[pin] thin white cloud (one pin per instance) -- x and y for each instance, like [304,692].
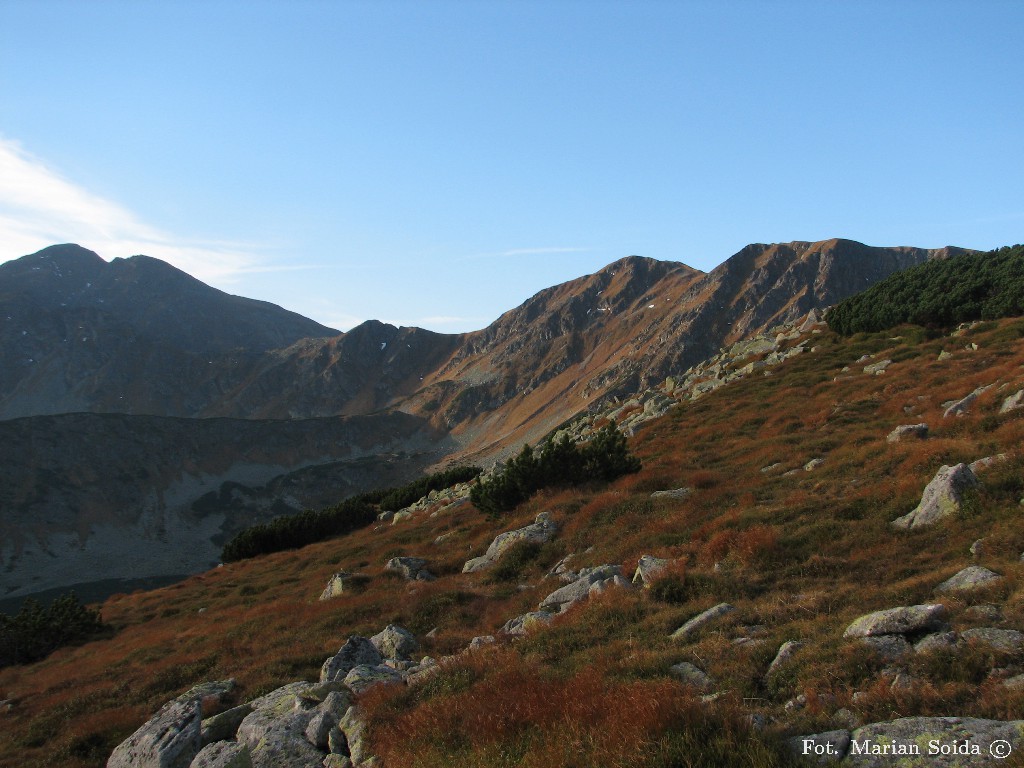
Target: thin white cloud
[39,207]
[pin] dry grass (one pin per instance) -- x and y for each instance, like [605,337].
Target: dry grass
[799,556]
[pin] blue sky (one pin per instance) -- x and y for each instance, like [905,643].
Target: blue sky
[437,163]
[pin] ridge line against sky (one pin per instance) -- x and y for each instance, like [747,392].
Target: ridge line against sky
[436,164]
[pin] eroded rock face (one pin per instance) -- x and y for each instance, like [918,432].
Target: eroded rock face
[905,620]
[942,497]
[173,737]
[223,754]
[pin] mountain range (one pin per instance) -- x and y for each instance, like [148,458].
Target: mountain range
[146,417]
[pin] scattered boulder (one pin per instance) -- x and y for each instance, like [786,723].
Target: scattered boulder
[905,620]
[907,431]
[988,461]
[522,625]
[698,622]
[1009,640]
[878,368]
[648,567]
[1013,402]
[786,652]
[412,568]
[970,578]
[984,612]
[394,642]
[937,641]
[964,404]
[813,464]
[889,647]
[173,736]
[336,585]
[483,640]
[561,599]
[356,650]
[692,676]
[540,531]
[942,497]
[674,494]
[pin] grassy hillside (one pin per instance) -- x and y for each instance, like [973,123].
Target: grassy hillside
[799,555]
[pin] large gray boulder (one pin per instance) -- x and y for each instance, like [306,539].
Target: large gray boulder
[970,578]
[173,736]
[561,599]
[223,754]
[412,568]
[278,740]
[942,497]
[541,530]
[701,620]
[364,676]
[356,650]
[1013,402]
[905,620]
[394,642]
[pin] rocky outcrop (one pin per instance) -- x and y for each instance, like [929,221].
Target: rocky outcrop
[173,736]
[355,651]
[564,598]
[942,497]
[394,642]
[541,530]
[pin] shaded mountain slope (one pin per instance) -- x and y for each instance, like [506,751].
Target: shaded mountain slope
[793,490]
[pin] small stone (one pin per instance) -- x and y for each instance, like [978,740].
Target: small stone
[692,675]
[813,464]
[898,621]
[1009,640]
[648,567]
[675,493]
[984,612]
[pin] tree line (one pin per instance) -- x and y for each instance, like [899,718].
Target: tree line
[557,463]
[309,526]
[940,293]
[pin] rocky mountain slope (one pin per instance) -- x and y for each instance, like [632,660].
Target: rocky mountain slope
[136,339]
[753,590]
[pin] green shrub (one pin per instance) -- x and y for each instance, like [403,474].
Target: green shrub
[294,531]
[557,463]
[941,293]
